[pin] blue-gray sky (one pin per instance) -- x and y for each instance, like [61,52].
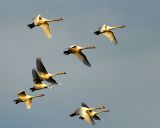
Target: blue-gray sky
[124,77]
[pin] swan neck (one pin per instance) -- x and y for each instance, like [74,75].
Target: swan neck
[89,47]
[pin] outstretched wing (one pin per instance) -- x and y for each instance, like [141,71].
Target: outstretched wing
[29,103]
[75,113]
[89,119]
[22,94]
[84,105]
[35,76]
[47,29]
[40,66]
[96,117]
[83,58]
[110,35]
[51,80]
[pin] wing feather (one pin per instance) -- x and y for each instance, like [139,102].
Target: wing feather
[83,58]
[40,66]
[110,35]
[51,80]
[29,103]
[47,29]
[35,76]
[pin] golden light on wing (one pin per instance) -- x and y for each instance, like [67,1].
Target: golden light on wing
[29,103]
[22,94]
[47,29]
[89,119]
[110,35]
[83,58]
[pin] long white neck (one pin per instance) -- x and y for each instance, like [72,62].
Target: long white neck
[37,96]
[101,111]
[58,19]
[97,108]
[114,27]
[59,73]
[89,47]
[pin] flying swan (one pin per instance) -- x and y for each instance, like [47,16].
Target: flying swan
[107,31]
[44,75]
[23,97]
[44,24]
[88,114]
[77,50]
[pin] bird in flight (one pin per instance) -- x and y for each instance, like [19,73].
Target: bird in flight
[107,31]
[38,82]
[44,24]
[88,114]
[44,74]
[23,97]
[77,50]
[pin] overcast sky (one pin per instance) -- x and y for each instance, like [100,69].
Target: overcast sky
[125,77]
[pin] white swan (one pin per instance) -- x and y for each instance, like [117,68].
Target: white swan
[44,24]
[44,75]
[23,97]
[38,82]
[77,50]
[107,31]
[87,113]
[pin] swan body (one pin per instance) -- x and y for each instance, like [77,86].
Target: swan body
[77,50]
[38,82]
[88,114]
[107,31]
[44,24]
[23,97]
[44,75]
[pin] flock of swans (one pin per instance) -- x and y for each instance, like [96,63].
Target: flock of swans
[40,74]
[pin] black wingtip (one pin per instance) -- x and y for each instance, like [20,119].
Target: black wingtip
[32,25]
[97,33]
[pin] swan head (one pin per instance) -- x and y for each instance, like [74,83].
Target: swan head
[73,46]
[103,27]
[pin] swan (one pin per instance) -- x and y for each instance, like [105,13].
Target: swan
[77,50]
[44,75]
[23,97]
[88,113]
[38,82]
[44,24]
[107,31]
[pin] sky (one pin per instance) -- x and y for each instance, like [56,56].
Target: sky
[123,77]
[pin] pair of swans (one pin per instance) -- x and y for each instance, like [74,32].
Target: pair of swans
[38,78]
[43,75]
[44,24]
[88,114]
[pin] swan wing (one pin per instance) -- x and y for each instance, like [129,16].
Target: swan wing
[29,103]
[83,58]
[84,105]
[110,35]
[89,119]
[35,76]
[51,80]
[96,117]
[22,94]
[75,113]
[40,66]
[47,29]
